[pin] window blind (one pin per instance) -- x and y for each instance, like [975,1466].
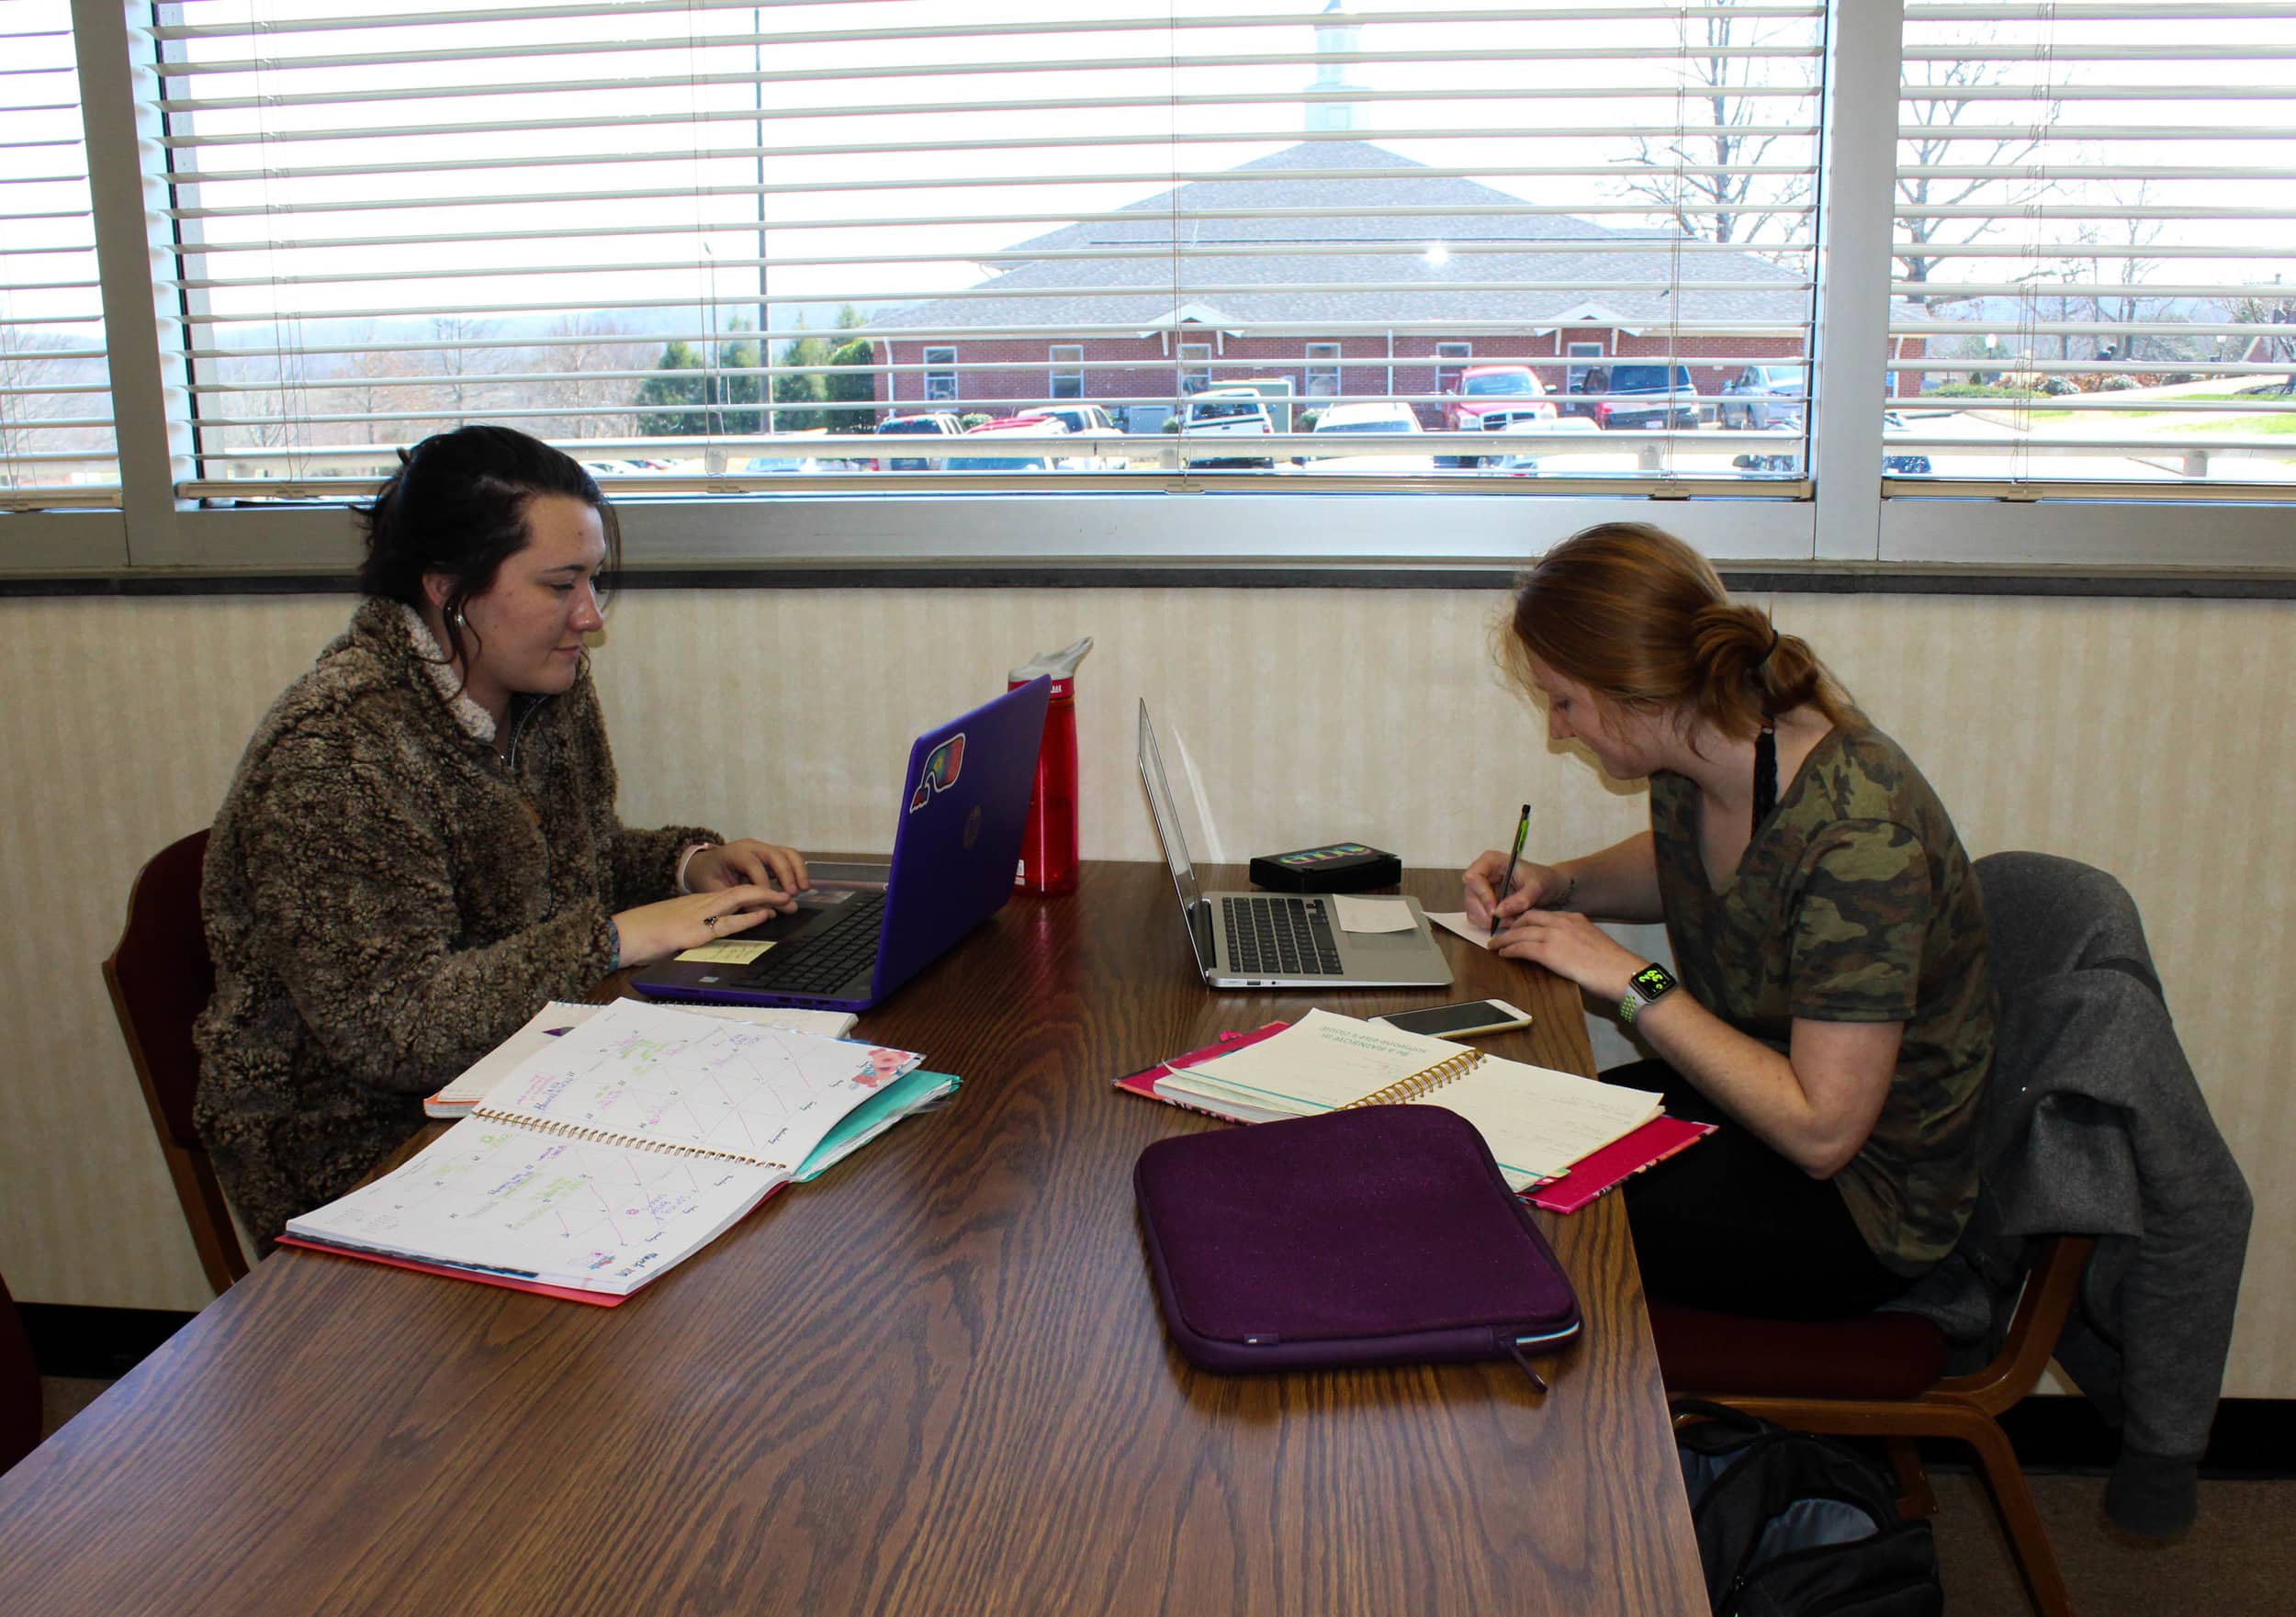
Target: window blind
[698,242]
[56,444]
[2096,247]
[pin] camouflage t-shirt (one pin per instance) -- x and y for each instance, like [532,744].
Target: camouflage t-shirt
[1854,902]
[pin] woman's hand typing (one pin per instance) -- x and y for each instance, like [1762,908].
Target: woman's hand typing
[652,932]
[747,862]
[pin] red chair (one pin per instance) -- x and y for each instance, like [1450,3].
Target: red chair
[1881,1375]
[161,979]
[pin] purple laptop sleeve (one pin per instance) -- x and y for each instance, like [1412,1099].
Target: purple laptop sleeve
[1378,1235]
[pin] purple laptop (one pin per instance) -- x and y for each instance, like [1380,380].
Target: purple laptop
[964,801]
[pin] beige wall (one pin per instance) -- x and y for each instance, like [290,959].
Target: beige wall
[2146,736]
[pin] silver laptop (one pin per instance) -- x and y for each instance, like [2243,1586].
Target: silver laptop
[1278,939]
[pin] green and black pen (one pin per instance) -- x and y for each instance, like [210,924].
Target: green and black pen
[1506,882]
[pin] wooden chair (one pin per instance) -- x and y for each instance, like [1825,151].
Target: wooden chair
[1879,1376]
[161,979]
[1883,1374]
[19,1385]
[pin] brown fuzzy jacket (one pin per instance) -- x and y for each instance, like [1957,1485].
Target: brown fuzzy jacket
[387,899]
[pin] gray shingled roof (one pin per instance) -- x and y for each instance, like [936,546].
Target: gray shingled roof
[1103,293]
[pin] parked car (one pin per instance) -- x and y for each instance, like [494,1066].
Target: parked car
[1790,465]
[1764,396]
[1901,465]
[781,466]
[1228,412]
[1081,419]
[1641,396]
[1492,398]
[1010,431]
[1382,416]
[1278,393]
[939,423]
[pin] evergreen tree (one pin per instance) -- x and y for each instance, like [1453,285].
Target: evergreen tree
[854,383]
[685,375]
[678,380]
[801,390]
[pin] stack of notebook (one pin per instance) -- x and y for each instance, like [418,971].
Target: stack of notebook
[1558,1138]
[621,1147]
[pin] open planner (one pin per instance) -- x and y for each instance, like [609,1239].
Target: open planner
[623,1147]
[1536,1121]
[561,1017]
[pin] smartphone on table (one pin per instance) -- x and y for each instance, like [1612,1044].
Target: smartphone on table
[1459,1021]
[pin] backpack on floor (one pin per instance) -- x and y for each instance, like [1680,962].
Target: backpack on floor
[1792,1526]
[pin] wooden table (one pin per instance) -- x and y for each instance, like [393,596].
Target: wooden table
[934,1381]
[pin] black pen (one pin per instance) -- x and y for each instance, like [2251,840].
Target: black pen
[1521,829]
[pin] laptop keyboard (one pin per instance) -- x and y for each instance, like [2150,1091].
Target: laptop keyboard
[1280,936]
[823,961]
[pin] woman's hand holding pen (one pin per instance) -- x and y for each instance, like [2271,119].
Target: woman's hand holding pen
[652,932]
[1535,887]
[1569,945]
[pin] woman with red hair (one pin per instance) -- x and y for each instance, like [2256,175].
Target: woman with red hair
[1830,1005]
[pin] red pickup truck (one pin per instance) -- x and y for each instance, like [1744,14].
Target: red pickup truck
[1491,398]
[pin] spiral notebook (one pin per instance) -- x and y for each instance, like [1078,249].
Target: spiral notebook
[1538,1121]
[627,1145]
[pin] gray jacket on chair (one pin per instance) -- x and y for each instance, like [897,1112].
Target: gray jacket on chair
[2094,1125]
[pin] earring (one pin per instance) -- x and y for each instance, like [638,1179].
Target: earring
[461,621]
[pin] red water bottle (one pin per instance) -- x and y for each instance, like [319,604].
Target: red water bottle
[1048,844]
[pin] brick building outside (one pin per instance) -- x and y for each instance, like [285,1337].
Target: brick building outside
[1424,294]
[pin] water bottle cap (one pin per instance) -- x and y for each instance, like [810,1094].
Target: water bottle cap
[1060,664]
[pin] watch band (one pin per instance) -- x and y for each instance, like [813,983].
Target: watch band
[1645,989]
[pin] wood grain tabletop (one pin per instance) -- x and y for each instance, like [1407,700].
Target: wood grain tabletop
[932,1381]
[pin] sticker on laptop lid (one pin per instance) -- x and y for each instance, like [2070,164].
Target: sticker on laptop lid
[941,772]
[732,952]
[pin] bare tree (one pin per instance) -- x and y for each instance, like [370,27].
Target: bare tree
[358,384]
[458,359]
[1723,129]
[1984,167]
[2125,268]
[596,405]
[2275,310]
[33,373]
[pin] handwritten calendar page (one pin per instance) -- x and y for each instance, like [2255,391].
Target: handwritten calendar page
[659,1076]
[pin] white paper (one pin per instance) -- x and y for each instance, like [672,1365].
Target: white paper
[566,1212]
[655,1074]
[1538,1121]
[1372,915]
[562,1016]
[1456,921]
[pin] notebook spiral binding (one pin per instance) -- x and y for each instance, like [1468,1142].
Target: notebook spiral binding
[626,1141]
[1405,1090]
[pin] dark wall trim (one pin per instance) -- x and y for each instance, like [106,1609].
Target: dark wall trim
[1768,580]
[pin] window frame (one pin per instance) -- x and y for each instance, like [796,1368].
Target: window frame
[1839,521]
[1060,370]
[1451,363]
[1325,361]
[1192,382]
[941,386]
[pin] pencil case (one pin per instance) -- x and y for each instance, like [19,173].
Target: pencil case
[1374,1235]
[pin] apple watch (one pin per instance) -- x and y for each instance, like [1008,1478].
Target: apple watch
[1645,989]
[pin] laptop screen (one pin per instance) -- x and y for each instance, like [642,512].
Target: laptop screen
[1167,815]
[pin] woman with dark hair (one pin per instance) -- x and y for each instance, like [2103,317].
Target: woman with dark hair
[420,848]
[1833,1012]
